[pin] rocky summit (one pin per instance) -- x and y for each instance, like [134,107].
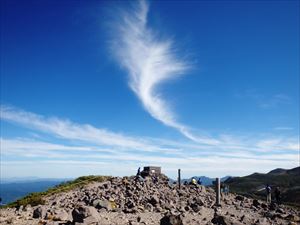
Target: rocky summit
[153,200]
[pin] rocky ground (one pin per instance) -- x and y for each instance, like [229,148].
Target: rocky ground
[152,201]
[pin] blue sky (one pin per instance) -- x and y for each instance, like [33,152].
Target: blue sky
[103,87]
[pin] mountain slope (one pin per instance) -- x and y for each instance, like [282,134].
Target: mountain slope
[287,180]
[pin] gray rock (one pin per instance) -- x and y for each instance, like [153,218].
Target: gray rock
[39,212]
[28,208]
[262,221]
[99,204]
[240,198]
[222,220]
[83,212]
[256,203]
[246,219]
[264,206]
[154,200]
[90,220]
[95,202]
[280,210]
[171,220]
[61,215]
[293,218]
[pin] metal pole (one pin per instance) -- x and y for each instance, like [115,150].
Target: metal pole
[179,178]
[218,193]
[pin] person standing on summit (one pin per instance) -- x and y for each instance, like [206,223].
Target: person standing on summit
[138,172]
[277,193]
[199,181]
[268,192]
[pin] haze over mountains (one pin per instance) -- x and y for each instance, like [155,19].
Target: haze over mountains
[12,189]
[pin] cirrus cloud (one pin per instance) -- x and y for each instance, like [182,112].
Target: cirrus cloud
[150,61]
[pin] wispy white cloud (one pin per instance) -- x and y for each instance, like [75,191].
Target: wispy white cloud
[150,61]
[274,101]
[264,101]
[41,149]
[283,128]
[81,143]
[70,130]
[211,166]
[273,144]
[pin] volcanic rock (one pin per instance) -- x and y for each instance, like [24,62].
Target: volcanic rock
[171,220]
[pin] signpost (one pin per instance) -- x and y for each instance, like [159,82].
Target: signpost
[218,192]
[179,178]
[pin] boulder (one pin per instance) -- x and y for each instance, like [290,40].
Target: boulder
[130,204]
[108,205]
[273,206]
[280,210]
[293,218]
[222,220]
[256,203]
[28,208]
[246,219]
[96,202]
[218,219]
[195,207]
[154,200]
[61,215]
[264,206]
[80,213]
[171,219]
[39,212]
[262,221]
[239,198]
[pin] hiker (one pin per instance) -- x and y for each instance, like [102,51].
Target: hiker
[199,181]
[193,181]
[222,186]
[268,192]
[277,193]
[138,172]
[226,189]
[155,179]
[138,177]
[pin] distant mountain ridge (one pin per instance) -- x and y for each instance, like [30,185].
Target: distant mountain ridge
[288,180]
[30,179]
[206,181]
[13,189]
[278,171]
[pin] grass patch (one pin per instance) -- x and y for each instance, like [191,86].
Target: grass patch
[37,198]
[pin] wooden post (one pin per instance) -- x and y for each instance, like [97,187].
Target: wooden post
[179,178]
[218,192]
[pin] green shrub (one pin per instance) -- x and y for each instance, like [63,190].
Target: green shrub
[32,199]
